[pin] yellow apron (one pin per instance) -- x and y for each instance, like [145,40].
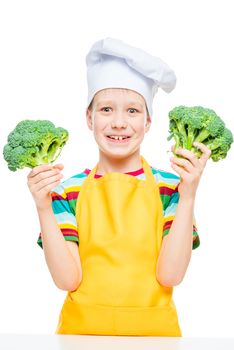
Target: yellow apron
[120,223]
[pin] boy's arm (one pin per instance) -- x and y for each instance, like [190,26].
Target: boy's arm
[176,249]
[61,257]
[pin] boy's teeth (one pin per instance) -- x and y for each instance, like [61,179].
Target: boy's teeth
[118,137]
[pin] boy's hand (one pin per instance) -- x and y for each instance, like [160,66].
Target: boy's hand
[190,169]
[41,180]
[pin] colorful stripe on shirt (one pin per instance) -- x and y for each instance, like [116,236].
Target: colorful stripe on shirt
[64,199]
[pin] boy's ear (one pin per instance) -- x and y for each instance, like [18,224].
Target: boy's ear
[89,119]
[148,123]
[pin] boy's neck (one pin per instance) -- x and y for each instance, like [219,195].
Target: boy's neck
[123,165]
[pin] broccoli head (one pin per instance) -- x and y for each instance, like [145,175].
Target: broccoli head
[32,143]
[198,124]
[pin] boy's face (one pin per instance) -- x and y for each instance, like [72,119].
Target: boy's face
[118,112]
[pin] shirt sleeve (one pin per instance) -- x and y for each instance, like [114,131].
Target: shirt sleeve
[64,215]
[169,215]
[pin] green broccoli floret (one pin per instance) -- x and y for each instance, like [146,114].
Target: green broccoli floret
[190,124]
[32,143]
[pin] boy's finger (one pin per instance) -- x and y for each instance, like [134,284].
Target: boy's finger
[206,152]
[188,155]
[37,169]
[59,166]
[186,164]
[45,175]
[45,182]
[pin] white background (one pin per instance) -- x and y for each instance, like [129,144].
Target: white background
[43,75]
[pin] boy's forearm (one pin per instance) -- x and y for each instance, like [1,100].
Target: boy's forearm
[177,245]
[60,261]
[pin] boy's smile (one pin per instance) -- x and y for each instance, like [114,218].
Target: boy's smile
[118,118]
[118,139]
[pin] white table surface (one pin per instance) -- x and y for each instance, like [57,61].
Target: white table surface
[83,342]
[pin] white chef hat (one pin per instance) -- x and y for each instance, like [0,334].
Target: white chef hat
[111,63]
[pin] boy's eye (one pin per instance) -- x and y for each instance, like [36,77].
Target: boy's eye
[132,109]
[105,109]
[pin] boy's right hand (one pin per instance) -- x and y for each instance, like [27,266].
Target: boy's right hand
[41,180]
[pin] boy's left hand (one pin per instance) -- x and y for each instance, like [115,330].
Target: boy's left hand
[190,169]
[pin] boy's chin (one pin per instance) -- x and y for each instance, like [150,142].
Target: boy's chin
[117,155]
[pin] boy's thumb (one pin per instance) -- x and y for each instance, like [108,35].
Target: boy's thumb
[58,166]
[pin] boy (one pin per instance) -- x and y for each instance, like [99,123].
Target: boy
[125,247]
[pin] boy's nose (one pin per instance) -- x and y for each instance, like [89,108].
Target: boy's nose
[118,121]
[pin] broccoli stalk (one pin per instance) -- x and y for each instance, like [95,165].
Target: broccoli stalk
[32,143]
[190,124]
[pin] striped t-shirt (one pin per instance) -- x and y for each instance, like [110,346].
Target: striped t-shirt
[65,195]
